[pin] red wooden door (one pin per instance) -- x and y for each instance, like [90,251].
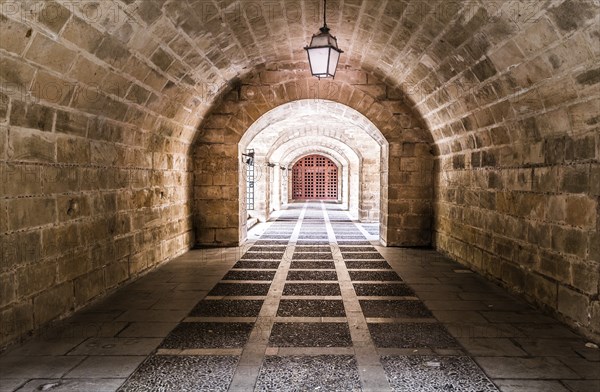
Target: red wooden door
[315,177]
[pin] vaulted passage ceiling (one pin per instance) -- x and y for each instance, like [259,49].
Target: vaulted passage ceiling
[173,57]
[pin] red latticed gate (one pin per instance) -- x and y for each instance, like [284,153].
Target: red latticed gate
[315,177]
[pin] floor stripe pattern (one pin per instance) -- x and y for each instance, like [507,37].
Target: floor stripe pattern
[310,306]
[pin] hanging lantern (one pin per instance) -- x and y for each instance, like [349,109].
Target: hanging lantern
[323,51]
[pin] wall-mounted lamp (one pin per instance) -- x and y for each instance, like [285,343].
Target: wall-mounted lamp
[248,158]
[271,164]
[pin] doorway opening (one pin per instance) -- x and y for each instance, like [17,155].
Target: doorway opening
[315,177]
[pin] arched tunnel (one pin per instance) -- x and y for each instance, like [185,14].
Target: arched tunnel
[179,194]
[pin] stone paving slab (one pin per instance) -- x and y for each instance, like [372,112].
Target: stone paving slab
[106,367]
[311,308]
[381,276]
[383,290]
[359,249]
[109,384]
[310,335]
[525,368]
[435,373]
[394,309]
[116,346]
[227,308]
[411,335]
[309,373]
[208,335]
[27,367]
[367,264]
[183,373]
[361,255]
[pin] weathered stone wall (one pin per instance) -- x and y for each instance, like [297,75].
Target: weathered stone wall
[517,194]
[94,179]
[410,180]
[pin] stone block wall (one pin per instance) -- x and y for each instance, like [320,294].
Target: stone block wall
[94,176]
[517,194]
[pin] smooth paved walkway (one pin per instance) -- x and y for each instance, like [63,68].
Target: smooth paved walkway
[311,305]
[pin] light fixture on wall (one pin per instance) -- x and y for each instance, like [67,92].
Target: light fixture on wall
[248,157]
[323,51]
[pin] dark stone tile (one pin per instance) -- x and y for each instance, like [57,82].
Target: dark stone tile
[271,242]
[249,275]
[310,335]
[394,309]
[359,249]
[309,373]
[313,256]
[346,242]
[426,374]
[320,289]
[312,275]
[382,276]
[227,308]
[182,373]
[208,335]
[257,264]
[525,368]
[240,289]
[315,248]
[262,256]
[307,264]
[277,248]
[311,308]
[581,385]
[367,264]
[383,290]
[411,335]
[361,255]
[554,330]
[306,242]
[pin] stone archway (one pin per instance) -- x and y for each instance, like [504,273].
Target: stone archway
[406,169]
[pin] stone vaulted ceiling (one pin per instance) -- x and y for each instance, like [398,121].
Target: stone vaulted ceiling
[180,54]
